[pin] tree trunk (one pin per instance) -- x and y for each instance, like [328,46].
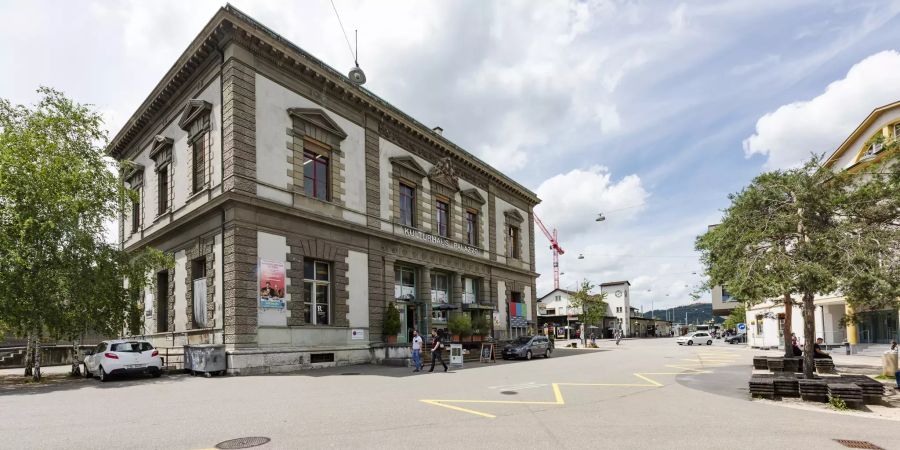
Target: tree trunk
[788,318]
[29,355]
[76,359]
[809,334]
[37,359]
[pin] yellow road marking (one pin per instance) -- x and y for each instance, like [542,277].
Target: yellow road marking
[457,408]
[559,400]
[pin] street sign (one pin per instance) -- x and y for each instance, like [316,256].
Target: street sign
[742,327]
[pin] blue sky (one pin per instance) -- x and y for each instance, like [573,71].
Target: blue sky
[650,112]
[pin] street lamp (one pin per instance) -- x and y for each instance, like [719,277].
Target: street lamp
[600,217]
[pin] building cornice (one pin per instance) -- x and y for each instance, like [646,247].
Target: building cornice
[230,24]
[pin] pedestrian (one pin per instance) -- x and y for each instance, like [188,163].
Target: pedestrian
[436,347]
[417,350]
[618,336]
[593,340]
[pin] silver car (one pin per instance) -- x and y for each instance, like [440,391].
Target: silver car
[527,347]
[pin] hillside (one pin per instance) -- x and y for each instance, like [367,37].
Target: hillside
[696,313]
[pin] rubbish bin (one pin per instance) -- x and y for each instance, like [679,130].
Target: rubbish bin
[207,359]
[889,363]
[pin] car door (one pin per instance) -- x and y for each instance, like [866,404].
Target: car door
[93,361]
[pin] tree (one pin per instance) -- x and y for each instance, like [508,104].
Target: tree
[58,275]
[593,306]
[808,231]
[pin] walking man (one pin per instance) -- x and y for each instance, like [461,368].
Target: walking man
[436,347]
[417,350]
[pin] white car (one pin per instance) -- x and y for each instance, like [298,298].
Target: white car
[122,357]
[698,337]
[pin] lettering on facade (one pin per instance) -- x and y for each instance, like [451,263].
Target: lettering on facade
[440,241]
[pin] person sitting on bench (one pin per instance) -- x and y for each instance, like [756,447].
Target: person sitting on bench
[817,349]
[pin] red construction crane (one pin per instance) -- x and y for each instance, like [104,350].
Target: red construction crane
[554,247]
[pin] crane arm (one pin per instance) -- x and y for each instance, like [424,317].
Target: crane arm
[554,244]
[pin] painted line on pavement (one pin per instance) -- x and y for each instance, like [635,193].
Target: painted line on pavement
[559,400]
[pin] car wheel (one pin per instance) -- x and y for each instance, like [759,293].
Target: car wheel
[103,376]
[690,342]
[528,355]
[157,374]
[87,373]
[709,342]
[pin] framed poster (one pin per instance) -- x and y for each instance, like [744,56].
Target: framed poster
[271,284]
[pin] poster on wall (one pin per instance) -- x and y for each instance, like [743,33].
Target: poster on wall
[271,284]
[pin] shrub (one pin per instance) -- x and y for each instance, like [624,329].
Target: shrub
[460,325]
[391,320]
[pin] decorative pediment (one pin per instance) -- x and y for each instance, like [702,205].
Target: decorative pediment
[444,173]
[194,110]
[133,174]
[315,123]
[513,215]
[408,166]
[161,149]
[473,196]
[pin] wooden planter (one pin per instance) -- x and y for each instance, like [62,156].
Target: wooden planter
[392,339]
[476,338]
[454,338]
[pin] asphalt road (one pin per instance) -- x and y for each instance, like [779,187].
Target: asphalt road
[643,394]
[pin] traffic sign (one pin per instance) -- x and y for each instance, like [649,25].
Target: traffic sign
[742,327]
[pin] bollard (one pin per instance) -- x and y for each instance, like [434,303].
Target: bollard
[847,347]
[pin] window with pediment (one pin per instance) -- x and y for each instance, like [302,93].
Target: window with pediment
[196,121]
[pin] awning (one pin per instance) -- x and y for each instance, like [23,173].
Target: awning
[444,306]
[476,306]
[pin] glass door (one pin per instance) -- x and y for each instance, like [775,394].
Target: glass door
[403,334]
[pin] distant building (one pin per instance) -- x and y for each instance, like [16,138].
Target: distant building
[555,312]
[722,301]
[618,304]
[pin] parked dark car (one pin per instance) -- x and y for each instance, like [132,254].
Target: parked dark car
[737,339]
[527,347]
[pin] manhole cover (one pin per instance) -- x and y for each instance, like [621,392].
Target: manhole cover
[350,373]
[508,392]
[857,444]
[244,442]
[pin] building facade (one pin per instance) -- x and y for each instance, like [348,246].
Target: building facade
[618,301]
[874,138]
[298,205]
[557,316]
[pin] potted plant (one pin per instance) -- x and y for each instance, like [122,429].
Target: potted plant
[480,327]
[391,323]
[460,325]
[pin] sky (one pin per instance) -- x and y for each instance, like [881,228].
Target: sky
[649,112]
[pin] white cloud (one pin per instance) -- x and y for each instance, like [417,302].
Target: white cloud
[788,135]
[571,201]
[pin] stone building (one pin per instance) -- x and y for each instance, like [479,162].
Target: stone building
[298,204]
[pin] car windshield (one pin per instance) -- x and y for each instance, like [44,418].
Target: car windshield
[522,340]
[133,347]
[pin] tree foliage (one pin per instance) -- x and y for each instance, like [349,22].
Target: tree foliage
[737,315]
[593,306]
[810,231]
[58,274]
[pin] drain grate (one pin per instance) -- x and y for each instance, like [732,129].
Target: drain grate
[508,392]
[244,442]
[857,444]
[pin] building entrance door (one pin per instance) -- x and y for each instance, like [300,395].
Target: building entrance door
[878,327]
[403,336]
